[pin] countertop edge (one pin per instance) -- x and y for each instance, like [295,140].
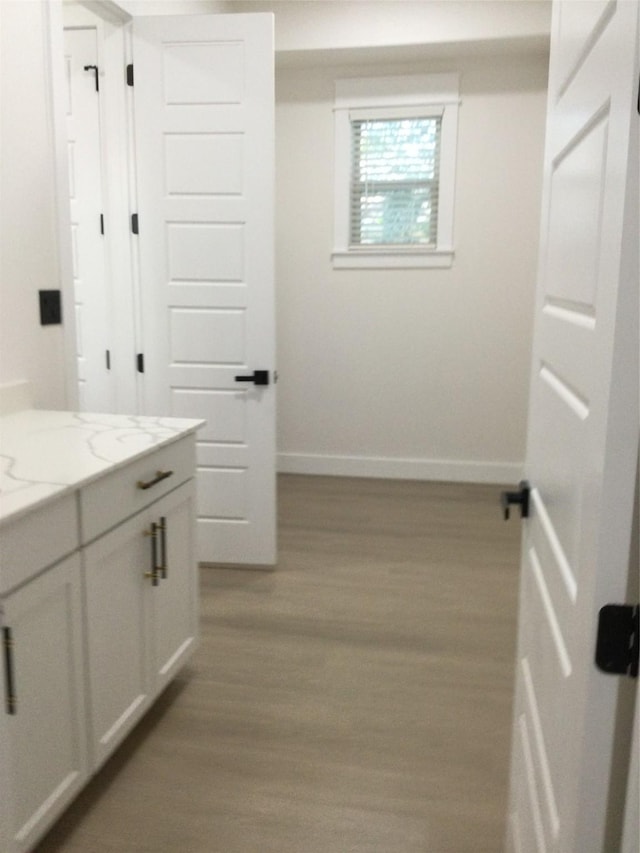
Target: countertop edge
[62,489]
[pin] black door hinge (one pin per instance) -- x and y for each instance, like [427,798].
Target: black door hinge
[134,223]
[617,643]
[129,75]
[140,362]
[108,359]
[102,223]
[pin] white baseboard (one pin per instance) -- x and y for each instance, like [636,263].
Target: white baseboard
[459,471]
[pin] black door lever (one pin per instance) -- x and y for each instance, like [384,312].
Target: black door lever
[521,498]
[94,68]
[258,377]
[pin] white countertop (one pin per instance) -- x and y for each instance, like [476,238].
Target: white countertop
[44,454]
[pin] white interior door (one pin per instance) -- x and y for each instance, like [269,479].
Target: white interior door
[90,280]
[583,433]
[204,133]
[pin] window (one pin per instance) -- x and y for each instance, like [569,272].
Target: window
[394,181]
[395,168]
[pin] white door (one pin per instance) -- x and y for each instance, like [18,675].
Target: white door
[204,132]
[583,434]
[90,280]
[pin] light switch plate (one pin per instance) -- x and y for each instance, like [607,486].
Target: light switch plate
[50,307]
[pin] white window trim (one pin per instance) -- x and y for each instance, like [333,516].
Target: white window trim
[390,97]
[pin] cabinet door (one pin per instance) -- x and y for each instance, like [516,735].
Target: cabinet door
[141,613]
[44,725]
[117,604]
[173,624]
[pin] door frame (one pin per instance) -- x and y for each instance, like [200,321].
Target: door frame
[54,52]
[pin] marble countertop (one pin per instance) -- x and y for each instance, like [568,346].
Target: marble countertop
[44,454]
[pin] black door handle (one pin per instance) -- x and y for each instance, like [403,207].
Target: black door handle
[521,499]
[94,68]
[258,377]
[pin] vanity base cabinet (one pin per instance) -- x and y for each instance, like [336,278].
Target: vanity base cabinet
[141,605]
[98,609]
[43,726]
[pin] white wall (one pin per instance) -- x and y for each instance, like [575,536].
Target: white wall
[429,366]
[28,242]
[318,25]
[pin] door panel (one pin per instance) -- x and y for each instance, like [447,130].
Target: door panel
[201,334]
[204,74]
[91,286]
[222,153]
[205,253]
[204,142]
[583,439]
[224,493]
[229,423]
[577,187]
[579,24]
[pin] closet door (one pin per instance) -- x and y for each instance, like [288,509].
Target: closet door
[204,104]
[96,387]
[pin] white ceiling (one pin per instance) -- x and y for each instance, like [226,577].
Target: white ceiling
[312,32]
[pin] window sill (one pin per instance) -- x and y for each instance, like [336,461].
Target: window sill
[392,259]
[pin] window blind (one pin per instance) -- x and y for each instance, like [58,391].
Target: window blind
[395,181]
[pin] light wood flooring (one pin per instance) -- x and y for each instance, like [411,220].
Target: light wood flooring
[355,700]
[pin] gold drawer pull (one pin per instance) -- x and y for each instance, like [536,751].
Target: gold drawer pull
[160,475]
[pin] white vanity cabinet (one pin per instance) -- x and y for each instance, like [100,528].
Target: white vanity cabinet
[141,613]
[96,614]
[43,742]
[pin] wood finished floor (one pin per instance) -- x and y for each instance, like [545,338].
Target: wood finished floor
[355,700]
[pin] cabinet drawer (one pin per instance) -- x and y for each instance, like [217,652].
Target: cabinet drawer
[37,540]
[113,498]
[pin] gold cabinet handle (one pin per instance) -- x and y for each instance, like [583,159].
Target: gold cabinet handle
[162,527]
[153,574]
[12,699]
[160,476]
